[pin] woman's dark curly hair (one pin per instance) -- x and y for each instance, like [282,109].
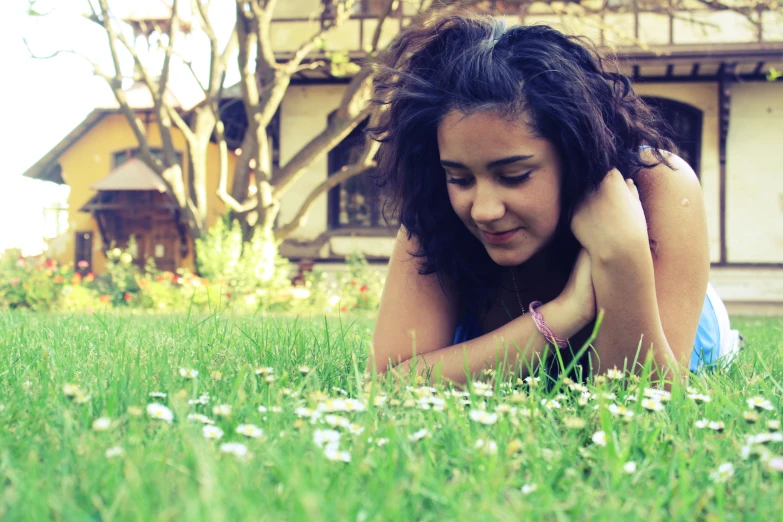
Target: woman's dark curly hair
[472,63]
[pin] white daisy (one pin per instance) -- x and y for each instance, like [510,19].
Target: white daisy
[355,429]
[235,448]
[489,447]
[157,394]
[198,417]
[419,434]
[101,424]
[652,404]
[249,430]
[621,411]
[760,403]
[629,467]
[702,423]
[657,394]
[212,432]
[115,451]
[221,410]
[775,464]
[724,472]
[71,390]
[699,397]
[599,438]
[324,437]
[615,374]
[483,416]
[332,452]
[550,404]
[159,411]
[188,373]
[528,489]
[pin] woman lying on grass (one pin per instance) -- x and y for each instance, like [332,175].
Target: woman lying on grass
[533,188]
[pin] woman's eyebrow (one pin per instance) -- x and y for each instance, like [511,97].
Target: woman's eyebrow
[491,164]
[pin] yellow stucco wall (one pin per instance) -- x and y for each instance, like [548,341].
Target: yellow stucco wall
[90,159]
[754,174]
[703,96]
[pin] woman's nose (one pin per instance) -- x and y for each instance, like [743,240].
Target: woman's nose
[487,206]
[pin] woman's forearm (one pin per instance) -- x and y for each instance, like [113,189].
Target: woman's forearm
[625,291]
[506,345]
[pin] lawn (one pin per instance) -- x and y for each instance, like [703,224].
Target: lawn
[104,418]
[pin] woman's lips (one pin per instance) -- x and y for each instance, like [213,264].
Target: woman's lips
[499,238]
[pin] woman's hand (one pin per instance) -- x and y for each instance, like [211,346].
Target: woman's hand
[578,296]
[611,219]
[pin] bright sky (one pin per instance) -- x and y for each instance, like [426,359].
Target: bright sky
[43,100]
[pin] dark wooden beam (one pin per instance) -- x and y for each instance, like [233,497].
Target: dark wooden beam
[726,80]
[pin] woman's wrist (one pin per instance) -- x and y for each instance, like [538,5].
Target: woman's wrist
[564,319]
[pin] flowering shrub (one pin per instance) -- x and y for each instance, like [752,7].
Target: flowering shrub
[41,284]
[29,282]
[360,287]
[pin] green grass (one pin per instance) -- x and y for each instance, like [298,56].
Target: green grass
[53,465]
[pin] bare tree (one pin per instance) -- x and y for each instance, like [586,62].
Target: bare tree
[265,76]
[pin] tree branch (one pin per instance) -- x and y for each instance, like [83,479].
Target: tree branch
[353,110]
[332,181]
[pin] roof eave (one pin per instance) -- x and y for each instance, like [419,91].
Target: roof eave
[47,168]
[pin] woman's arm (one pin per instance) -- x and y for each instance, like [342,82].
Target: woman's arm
[415,311]
[518,339]
[655,297]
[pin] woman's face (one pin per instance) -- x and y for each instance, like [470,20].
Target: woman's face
[503,183]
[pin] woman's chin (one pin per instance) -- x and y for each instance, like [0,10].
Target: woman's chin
[508,258]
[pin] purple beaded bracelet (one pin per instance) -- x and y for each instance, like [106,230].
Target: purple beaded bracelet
[545,329]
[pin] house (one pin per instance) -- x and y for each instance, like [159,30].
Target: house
[707,71]
[114,196]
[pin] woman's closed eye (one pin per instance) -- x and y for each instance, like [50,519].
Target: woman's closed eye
[510,180]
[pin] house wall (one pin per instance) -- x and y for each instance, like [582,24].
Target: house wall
[754,175]
[90,159]
[703,96]
[303,115]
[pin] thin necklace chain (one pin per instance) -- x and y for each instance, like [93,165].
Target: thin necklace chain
[519,299]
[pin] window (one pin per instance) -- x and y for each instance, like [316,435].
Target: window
[685,122]
[83,252]
[360,7]
[358,201]
[122,156]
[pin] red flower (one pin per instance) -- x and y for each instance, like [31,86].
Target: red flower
[127,296]
[58,279]
[89,277]
[228,295]
[76,279]
[363,289]
[353,282]
[104,299]
[49,263]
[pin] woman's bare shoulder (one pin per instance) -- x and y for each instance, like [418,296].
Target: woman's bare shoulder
[414,308]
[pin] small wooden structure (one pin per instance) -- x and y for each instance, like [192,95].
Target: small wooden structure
[132,201]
